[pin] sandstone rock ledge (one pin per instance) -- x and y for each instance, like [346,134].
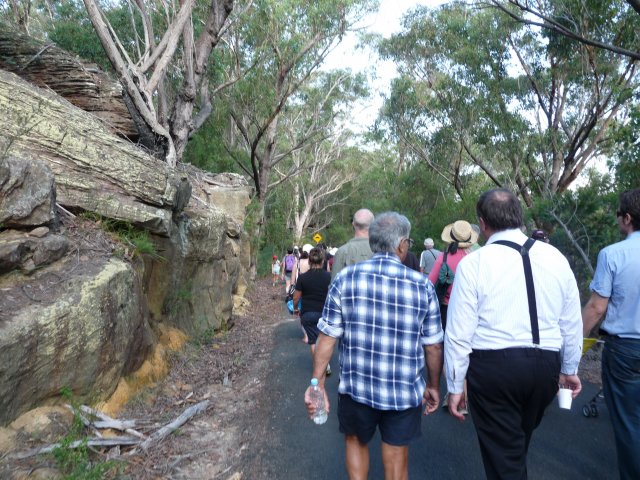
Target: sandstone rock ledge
[92,333]
[79,307]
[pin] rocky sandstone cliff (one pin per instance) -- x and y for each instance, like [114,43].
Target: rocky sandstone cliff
[80,307]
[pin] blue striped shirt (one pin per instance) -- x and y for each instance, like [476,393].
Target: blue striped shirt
[384,314]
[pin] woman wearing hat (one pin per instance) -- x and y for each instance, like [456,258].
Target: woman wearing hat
[460,237]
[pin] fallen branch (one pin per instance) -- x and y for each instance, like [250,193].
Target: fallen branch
[107,422]
[171,427]
[64,210]
[94,442]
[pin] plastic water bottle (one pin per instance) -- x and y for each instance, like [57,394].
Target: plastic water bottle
[317,397]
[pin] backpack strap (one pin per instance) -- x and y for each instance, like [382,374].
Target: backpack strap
[528,275]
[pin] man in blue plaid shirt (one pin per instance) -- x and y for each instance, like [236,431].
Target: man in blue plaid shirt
[388,319]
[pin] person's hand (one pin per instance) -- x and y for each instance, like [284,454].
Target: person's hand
[311,408]
[430,399]
[572,382]
[456,401]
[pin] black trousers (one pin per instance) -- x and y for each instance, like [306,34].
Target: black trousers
[508,392]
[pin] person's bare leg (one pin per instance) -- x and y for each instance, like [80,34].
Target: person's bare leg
[357,458]
[395,461]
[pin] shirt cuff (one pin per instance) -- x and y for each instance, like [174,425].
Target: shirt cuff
[433,339]
[329,330]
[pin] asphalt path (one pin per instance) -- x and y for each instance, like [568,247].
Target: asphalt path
[566,446]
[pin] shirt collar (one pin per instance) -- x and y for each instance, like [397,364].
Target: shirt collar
[512,234]
[388,256]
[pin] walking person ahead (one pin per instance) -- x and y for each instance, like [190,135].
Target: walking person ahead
[616,292]
[356,249]
[288,264]
[459,237]
[513,353]
[387,319]
[312,287]
[428,256]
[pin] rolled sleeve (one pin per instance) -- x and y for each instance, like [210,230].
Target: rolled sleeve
[431,331]
[331,323]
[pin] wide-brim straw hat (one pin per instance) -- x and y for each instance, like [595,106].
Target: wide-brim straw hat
[460,232]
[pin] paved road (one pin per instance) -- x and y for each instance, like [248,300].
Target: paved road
[566,446]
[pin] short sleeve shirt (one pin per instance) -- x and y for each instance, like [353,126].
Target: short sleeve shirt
[617,277]
[384,313]
[428,259]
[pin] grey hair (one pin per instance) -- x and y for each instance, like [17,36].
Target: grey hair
[387,230]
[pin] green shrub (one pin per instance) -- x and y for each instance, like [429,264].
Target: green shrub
[76,462]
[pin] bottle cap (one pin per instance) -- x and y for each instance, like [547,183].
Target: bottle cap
[314,382]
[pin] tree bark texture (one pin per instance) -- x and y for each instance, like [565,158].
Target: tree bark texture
[94,170]
[81,83]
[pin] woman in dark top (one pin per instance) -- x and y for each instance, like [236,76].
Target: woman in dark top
[312,287]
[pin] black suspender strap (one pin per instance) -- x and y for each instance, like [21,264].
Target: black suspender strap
[531,291]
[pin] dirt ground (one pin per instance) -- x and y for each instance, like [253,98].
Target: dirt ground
[229,370]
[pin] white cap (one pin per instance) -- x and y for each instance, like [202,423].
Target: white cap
[333,250]
[307,248]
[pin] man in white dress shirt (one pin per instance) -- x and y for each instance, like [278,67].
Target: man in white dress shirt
[515,343]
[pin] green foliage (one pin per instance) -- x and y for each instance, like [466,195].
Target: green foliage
[73,31]
[128,234]
[588,212]
[626,163]
[75,462]
[205,337]
[465,102]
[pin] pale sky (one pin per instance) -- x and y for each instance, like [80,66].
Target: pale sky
[385,22]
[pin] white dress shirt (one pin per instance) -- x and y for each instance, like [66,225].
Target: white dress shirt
[488,308]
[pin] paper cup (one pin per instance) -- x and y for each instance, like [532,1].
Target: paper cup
[564,398]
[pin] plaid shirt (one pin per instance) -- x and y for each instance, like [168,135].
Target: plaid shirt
[384,313]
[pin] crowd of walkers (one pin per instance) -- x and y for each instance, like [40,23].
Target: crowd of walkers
[502,324]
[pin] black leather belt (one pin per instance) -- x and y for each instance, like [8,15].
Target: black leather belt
[513,353]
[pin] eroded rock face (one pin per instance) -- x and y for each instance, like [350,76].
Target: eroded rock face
[94,170]
[94,332]
[71,313]
[27,193]
[193,289]
[20,250]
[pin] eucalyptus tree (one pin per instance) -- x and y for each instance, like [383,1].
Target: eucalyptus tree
[316,176]
[173,46]
[280,44]
[480,92]
[625,162]
[539,14]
